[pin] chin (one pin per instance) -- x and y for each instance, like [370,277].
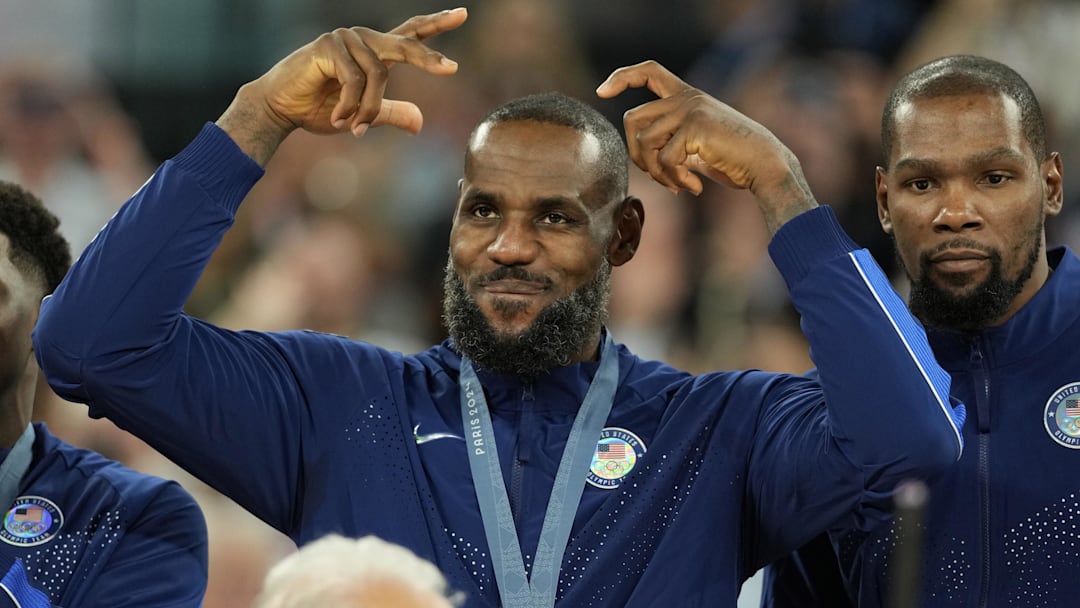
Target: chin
[506,329]
[505,314]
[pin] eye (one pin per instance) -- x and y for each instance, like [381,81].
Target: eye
[556,218]
[482,211]
[919,185]
[997,179]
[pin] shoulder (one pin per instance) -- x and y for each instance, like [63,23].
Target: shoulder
[88,475]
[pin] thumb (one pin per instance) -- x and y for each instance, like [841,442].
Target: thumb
[404,115]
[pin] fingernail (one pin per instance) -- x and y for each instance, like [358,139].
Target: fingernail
[448,62]
[360,129]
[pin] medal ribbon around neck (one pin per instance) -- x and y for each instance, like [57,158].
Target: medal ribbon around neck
[516,590]
[14,468]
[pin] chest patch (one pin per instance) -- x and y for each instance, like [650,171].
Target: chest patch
[616,453]
[32,520]
[1062,416]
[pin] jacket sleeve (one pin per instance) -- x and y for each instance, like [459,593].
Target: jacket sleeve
[162,559]
[831,447]
[114,336]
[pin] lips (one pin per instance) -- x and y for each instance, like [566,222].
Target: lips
[512,287]
[959,254]
[958,260]
[513,281]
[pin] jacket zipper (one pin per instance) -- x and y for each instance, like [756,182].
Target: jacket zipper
[983,470]
[521,457]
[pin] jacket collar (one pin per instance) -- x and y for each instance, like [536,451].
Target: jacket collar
[559,389]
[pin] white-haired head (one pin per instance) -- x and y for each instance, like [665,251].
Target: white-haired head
[339,572]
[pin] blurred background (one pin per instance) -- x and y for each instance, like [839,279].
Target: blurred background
[349,236]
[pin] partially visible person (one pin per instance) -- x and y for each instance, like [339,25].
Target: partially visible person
[533,459]
[339,572]
[78,529]
[967,186]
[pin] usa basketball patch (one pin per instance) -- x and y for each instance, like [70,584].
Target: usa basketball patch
[617,451]
[32,520]
[1062,416]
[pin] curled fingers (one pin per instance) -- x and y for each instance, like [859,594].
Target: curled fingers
[656,141]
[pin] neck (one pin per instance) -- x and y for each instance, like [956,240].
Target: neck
[591,351]
[16,405]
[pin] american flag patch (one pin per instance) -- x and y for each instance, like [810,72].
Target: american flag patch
[29,513]
[611,451]
[1072,407]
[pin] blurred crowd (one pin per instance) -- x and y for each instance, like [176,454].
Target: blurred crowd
[349,236]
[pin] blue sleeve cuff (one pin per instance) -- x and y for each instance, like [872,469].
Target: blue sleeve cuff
[807,241]
[18,588]
[225,172]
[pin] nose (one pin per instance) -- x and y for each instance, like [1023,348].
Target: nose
[515,244]
[957,212]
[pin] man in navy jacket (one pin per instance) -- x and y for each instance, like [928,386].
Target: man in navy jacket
[77,529]
[531,457]
[967,186]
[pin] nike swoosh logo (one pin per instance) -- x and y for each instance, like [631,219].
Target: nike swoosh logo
[432,436]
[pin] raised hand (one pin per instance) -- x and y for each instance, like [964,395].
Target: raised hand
[336,83]
[688,133]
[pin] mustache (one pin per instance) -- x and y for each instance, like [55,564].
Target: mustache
[957,243]
[513,273]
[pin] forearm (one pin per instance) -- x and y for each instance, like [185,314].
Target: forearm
[876,412]
[130,285]
[887,398]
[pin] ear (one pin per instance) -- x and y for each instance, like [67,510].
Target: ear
[1053,184]
[881,188]
[627,237]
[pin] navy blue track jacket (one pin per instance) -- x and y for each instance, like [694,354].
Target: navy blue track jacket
[713,475]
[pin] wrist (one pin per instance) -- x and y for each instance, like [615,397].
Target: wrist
[256,130]
[782,192]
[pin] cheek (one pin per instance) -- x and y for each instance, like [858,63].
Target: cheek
[1026,231]
[907,245]
[460,252]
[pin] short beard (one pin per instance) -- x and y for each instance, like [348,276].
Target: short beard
[982,305]
[556,336]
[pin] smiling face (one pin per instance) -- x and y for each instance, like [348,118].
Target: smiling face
[531,246]
[965,199]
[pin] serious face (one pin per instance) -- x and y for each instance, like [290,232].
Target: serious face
[965,200]
[20,295]
[526,284]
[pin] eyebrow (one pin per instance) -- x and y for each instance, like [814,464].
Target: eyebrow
[559,202]
[479,196]
[545,203]
[975,160]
